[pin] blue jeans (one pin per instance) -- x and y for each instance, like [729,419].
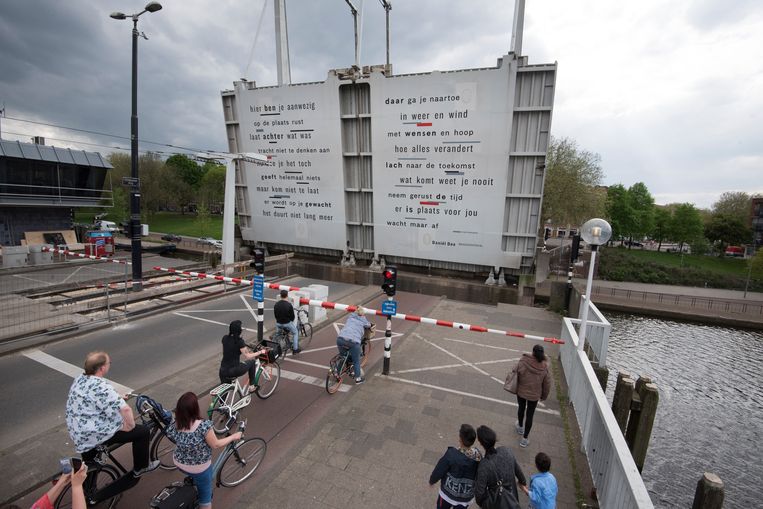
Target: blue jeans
[294,333]
[203,482]
[354,348]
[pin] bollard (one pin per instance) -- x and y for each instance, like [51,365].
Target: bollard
[650,397]
[709,493]
[621,402]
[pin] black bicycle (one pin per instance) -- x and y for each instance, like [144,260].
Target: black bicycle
[341,365]
[282,337]
[106,477]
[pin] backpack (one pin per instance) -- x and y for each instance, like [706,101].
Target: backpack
[144,401]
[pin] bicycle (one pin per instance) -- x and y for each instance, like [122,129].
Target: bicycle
[341,365]
[283,338]
[234,465]
[105,482]
[230,397]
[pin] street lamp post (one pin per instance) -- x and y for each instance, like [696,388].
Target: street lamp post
[595,232]
[135,229]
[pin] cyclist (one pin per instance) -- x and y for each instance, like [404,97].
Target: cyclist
[96,414]
[284,313]
[195,439]
[351,336]
[234,347]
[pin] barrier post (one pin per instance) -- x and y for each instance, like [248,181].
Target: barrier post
[650,397]
[621,402]
[387,342]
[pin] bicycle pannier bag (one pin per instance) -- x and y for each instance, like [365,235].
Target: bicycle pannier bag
[177,495]
[161,412]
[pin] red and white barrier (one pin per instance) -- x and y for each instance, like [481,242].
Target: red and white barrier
[350,309]
[80,255]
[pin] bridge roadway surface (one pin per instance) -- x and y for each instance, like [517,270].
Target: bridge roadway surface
[388,432]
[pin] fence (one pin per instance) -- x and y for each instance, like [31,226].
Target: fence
[688,302]
[597,331]
[617,480]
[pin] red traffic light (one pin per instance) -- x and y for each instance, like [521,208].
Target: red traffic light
[388,274]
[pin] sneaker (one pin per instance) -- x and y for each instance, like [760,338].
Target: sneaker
[520,429]
[295,352]
[252,389]
[524,442]
[359,380]
[153,465]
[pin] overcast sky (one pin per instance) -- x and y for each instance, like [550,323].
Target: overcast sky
[669,93]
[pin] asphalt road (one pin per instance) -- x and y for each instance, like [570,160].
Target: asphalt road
[158,351]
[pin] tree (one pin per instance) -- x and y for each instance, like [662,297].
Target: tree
[686,225]
[212,189]
[619,211]
[186,178]
[642,208]
[153,184]
[734,204]
[725,230]
[569,193]
[663,219]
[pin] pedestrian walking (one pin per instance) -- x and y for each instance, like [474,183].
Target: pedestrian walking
[533,385]
[543,488]
[457,470]
[497,474]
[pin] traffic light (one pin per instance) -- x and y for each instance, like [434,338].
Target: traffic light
[258,261]
[389,286]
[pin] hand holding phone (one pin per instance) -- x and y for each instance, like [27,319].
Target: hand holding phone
[69,465]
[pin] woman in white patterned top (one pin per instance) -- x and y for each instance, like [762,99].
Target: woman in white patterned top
[194,440]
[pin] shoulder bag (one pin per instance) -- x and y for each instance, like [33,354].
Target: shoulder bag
[511,381]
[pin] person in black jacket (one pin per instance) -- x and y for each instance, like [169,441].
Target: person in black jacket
[284,313]
[456,471]
[497,465]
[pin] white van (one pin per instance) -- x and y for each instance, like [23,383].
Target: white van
[106,226]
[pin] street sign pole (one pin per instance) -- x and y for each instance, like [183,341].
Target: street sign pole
[389,308]
[257,294]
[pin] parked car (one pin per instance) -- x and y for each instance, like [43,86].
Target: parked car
[205,240]
[217,243]
[171,237]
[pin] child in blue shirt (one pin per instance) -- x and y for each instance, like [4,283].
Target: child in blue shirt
[543,489]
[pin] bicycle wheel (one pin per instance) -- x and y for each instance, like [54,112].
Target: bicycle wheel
[305,334]
[334,376]
[98,477]
[241,462]
[162,449]
[365,352]
[222,420]
[268,376]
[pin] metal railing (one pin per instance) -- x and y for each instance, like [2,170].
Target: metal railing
[715,304]
[617,480]
[597,331]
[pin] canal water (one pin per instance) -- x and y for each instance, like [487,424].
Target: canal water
[710,415]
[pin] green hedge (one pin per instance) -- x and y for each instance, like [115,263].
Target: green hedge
[617,264]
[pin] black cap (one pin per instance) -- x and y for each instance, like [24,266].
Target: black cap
[235,328]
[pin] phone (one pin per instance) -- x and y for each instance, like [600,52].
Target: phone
[69,465]
[66,465]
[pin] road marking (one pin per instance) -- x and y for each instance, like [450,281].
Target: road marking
[32,279]
[66,368]
[213,321]
[462,393]
[245,299]
[70,275]
[310,380]
[464,362]
[482,345]
[200,311]
[446,366]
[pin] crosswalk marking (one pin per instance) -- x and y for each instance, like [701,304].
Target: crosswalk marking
[67,369]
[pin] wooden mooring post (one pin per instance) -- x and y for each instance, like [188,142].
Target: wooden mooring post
[709,493]
[636,404]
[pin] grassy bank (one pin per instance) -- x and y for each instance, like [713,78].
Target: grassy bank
[181,224]
[642,266]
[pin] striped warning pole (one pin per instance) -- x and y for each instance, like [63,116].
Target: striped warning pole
[80,255]
[351,309]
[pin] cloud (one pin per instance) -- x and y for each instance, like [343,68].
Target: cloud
[667,92]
